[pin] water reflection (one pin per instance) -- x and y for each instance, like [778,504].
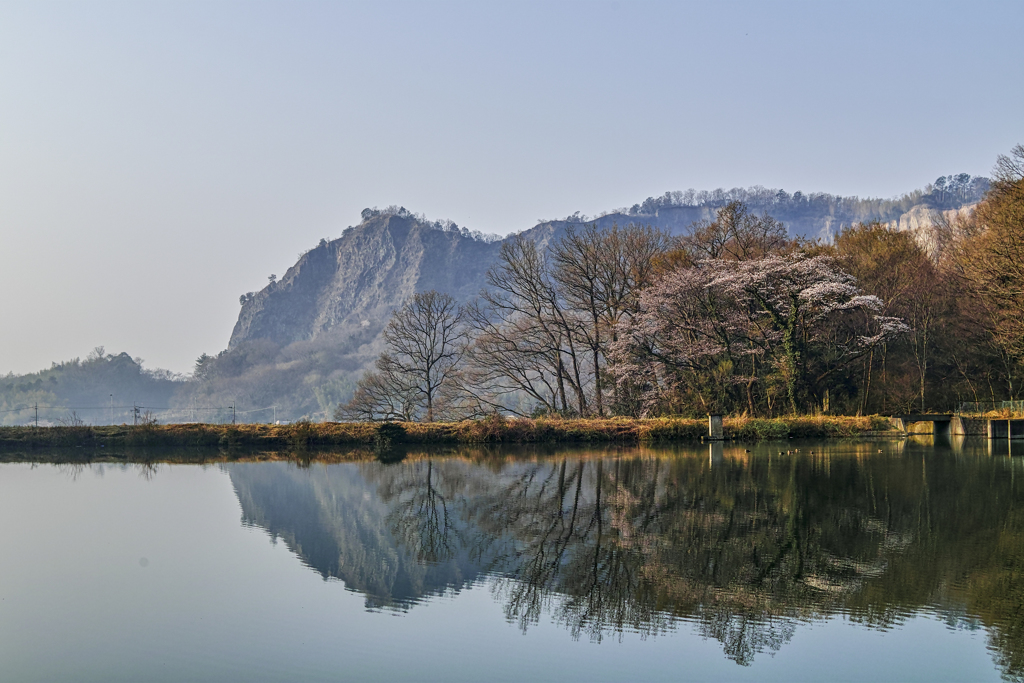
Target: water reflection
[742,544]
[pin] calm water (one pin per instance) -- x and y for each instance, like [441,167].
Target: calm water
[835,562]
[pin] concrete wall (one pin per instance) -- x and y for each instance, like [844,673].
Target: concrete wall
[968,426]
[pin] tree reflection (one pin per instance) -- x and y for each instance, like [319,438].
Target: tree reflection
[419,514]
[744,635]
[742,547]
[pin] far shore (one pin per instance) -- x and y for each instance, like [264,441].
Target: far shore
[489,430]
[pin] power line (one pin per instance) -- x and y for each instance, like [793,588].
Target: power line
[128,407]
[136,410]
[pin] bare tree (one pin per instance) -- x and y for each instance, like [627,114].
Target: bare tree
[579,259]
[988,255]
[1009,169]
[542,328]
[381,396]
[425,341]
[509,357]
[600,274]
[736,235]
[522,313]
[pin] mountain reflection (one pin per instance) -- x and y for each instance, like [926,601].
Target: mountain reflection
[742,545]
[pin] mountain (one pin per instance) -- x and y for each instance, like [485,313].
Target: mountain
[814,215]
[354,282]
[302,342]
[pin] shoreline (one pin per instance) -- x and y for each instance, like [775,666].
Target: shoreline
[488,430]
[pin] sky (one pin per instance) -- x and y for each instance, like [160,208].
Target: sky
[158,159]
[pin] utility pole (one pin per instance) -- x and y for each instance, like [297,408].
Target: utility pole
[135,415]
[37,415]
[232,413]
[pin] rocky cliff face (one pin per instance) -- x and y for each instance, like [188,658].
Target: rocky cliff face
[354,282]
[348,287]
[924,223]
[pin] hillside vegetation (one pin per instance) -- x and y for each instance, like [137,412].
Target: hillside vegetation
[102,388]
[734,315]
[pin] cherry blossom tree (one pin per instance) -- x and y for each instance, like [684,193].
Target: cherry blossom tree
[792,319]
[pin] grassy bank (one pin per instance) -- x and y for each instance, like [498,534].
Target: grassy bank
[490,430]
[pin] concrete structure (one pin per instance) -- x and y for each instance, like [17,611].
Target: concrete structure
[968,426]
[940,423]
[715,428]
[1005,429]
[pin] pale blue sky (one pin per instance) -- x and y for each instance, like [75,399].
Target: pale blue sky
[159,159]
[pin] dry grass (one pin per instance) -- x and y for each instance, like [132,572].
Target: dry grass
[1003,414]
[495,429]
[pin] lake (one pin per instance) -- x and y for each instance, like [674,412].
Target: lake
[835,560]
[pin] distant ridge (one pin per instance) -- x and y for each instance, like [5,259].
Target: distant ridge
[813,215]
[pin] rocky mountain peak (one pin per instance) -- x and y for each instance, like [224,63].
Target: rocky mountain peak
[355,281]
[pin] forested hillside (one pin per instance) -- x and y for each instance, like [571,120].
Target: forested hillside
[734,315]
[103,388]
[814,215]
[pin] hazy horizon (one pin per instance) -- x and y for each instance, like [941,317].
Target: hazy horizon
[158,160]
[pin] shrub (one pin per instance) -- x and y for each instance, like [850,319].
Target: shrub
[756,429]
[388,434]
